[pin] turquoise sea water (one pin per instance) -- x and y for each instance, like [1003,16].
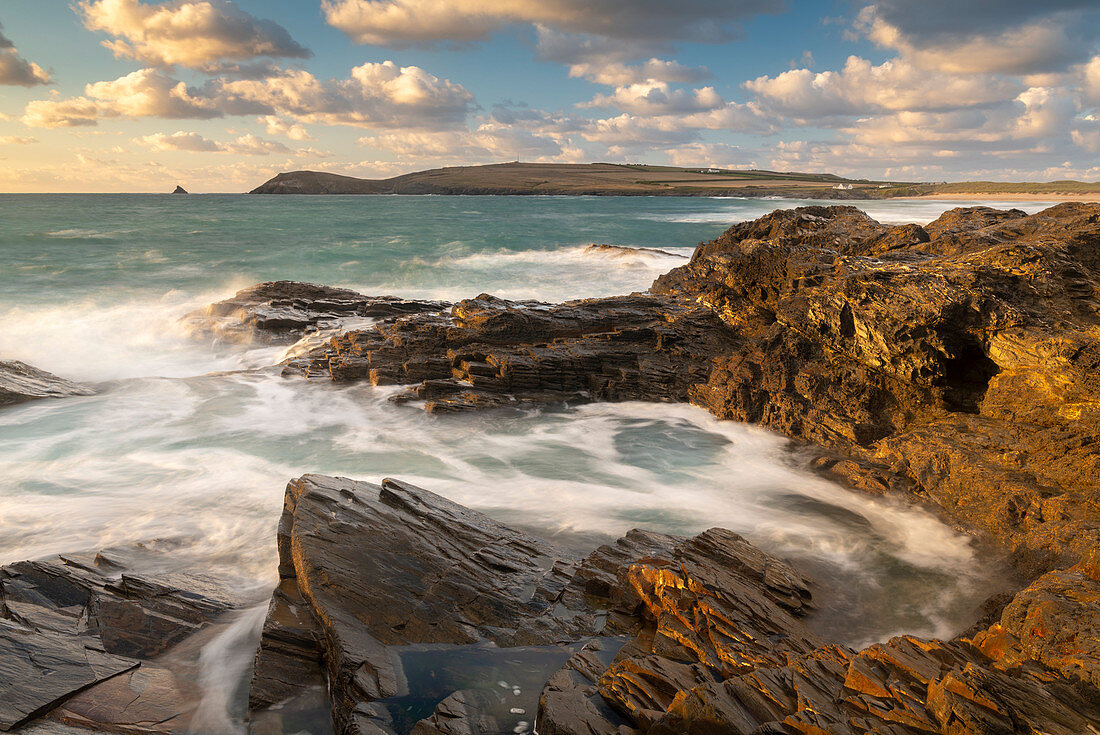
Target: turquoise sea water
[191,445]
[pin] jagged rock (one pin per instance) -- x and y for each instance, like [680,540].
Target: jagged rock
[90,643]
[179,190]
[713,632]
[281,312]
[369,568]
[21,382]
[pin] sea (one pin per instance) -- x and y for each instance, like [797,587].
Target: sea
[187,445]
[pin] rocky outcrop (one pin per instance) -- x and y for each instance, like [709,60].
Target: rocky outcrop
[663,634]
[21,382]
[87,642]
[179,190]
[281,312]
[955,361]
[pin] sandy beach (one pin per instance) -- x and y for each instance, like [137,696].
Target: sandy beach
[1011,197]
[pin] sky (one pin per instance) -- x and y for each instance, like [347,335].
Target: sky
[220,95]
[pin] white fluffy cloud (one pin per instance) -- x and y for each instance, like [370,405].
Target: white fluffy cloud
[277,126]
[179,141]
[143,93]
[17,71]
[399,22]
[378,95]
[652,97]
[193,33]
[862,88]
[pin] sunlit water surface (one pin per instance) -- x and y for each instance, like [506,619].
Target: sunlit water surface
[192,445]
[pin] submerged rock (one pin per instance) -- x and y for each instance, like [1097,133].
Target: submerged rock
[281,312]
[662,634]
[21,382]
[87,642]
[618,251]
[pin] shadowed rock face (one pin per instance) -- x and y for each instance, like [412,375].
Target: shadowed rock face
[22,382]
[713,632]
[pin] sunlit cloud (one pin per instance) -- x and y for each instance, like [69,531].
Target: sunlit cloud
[193,33]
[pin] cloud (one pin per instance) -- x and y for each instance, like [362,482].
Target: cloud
[193,33]
[862,88]
[179,141]
[616,74]
[17,71]
[277,126]
[143,93]
[252,145]
[245,145]
[401,22]
[657,98]
[1014,36]
[16,140]
[381,95]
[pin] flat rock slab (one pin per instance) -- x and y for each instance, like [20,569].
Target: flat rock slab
[22,382]
[40,670]
[87,641]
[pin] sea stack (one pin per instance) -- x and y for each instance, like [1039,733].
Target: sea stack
[180,190]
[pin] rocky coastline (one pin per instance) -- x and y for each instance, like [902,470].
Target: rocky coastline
[954,365]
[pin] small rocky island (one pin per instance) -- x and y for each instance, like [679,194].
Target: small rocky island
[953,365]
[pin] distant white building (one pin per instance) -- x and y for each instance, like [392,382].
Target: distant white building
[843,187]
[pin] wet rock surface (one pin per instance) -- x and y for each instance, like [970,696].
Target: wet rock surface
[87,642]
[281,312]
[21,382]
[663,634]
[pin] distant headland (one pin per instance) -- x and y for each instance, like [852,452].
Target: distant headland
[612,179]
